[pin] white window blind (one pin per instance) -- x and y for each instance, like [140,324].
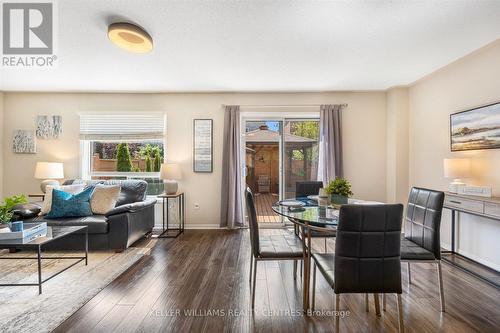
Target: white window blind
[139,126]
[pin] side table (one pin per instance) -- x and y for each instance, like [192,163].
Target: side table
[39,196]
[166,232]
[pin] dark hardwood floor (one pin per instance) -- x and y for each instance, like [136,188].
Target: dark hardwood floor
[199,283]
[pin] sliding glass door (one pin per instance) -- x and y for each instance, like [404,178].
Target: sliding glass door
[278,153]
[300,153]
[262,165]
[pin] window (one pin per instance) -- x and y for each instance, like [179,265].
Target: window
[123,146]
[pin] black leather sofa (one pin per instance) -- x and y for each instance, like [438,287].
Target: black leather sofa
[131,219]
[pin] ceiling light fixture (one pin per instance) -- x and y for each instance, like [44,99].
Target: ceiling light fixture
[130,37]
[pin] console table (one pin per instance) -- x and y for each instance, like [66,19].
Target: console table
[479,206]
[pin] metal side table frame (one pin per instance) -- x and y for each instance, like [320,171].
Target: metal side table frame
[165,215]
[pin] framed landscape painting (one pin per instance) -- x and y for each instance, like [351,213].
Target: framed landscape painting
[478,128]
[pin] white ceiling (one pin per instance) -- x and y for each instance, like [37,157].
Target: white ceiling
[260,45]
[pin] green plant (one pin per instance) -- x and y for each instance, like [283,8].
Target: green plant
[157,160]
[6,212]
[146,151]
[149,164]
[152,156]
[124,161]
[339,186]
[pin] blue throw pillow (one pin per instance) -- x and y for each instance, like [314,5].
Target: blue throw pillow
[70,205]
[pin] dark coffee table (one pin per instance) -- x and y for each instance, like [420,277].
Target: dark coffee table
[53,234]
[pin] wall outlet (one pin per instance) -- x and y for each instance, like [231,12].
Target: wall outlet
[196,206]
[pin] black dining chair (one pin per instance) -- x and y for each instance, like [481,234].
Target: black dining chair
[304,189]
[285,246]
[421,242]
[367,255]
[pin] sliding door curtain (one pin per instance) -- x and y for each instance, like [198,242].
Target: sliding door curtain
[231,197]
[330,143]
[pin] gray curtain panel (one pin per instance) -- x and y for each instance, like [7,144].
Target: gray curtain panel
[330,143]
[231,201]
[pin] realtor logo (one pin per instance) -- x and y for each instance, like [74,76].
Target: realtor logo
[28,29]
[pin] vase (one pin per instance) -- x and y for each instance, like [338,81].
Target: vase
[338,199]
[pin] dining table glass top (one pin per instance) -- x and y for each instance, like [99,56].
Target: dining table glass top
[310,213]
[313,214]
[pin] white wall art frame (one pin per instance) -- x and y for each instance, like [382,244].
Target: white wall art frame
[203,145]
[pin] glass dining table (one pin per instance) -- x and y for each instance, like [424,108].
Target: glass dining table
[311,216]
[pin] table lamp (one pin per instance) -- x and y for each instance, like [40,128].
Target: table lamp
[50,172]
[457,169]
[170,173]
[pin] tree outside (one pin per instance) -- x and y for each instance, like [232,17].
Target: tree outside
[145,156]
[306,129]
[157,160]
[123,159]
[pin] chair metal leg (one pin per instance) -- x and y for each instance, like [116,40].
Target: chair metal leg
[384,302]
[441,289]
[337,309]
[400,315]
[367,307]
[409,272]
[254,280]
[295,270]
[314,288]
[251,265]
[326,248]
[377,305]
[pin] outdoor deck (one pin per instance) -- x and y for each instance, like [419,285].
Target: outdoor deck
[263,203]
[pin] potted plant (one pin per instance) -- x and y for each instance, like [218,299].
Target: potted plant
[339,190]
[6,210]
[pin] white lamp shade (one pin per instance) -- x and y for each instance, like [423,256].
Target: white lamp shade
[170,171]
[456,168]
[49,170]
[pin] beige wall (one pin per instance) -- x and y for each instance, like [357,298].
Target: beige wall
[471,81]
[397,145]
[2,129]
[364,155]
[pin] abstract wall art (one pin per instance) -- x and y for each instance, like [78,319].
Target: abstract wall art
[203,145]
[48,127]
[24,142]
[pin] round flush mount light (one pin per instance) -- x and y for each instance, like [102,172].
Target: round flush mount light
[130,37]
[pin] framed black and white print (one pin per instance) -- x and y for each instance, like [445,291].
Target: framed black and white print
[48,127]
[203,145]
[24,142]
